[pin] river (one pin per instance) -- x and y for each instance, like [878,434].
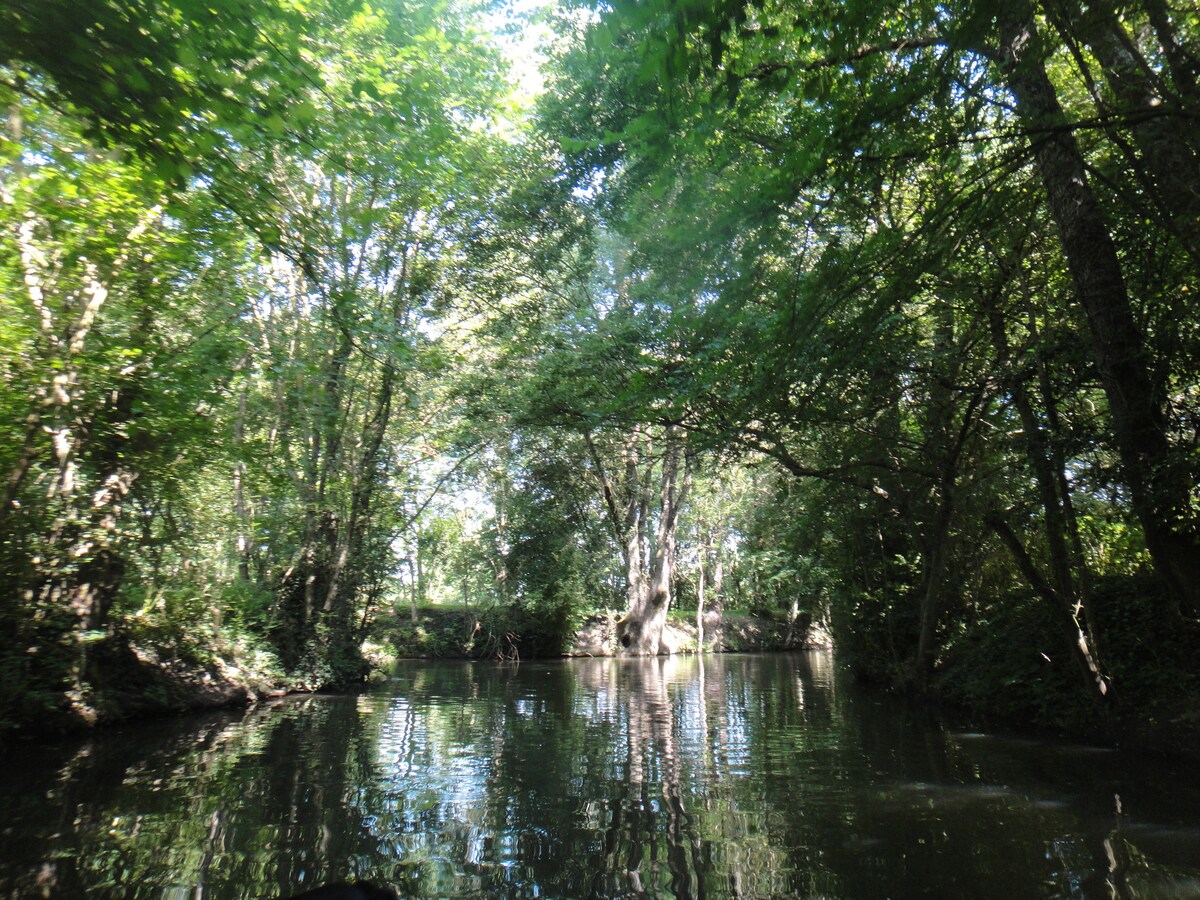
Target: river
[746,776]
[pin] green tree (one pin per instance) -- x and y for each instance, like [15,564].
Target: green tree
[121,300]
[845,200]
[357,283]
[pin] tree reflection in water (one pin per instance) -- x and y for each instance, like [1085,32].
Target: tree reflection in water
[713,777]
[672,827]
[214,806]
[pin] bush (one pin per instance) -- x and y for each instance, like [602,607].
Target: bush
[1012,662]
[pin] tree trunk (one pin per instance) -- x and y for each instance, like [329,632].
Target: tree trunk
[933,580]
[943,444]
[1184,67]
[1158,487]
[1168,156]
[1064,590]
[641,631]
[240,508]
[1073,633]
[418,586]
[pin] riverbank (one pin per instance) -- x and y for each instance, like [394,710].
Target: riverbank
[500,634]
[130,676]
[126,676]
[119,677]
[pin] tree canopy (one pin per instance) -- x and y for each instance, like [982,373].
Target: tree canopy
[875,316]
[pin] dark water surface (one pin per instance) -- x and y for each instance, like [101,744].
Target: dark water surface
[729,776]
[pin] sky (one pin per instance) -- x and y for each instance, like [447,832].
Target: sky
[521,32]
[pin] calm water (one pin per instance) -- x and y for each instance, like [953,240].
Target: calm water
[731,776]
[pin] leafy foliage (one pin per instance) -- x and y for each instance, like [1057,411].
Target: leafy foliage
[877,316]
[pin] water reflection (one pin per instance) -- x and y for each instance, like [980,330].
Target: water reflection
[716,777]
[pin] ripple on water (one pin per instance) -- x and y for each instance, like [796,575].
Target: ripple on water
[599,778]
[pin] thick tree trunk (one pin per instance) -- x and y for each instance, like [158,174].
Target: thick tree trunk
[636,585]
[1184,67]
[1159,490]
[1168,154]
[641,632]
